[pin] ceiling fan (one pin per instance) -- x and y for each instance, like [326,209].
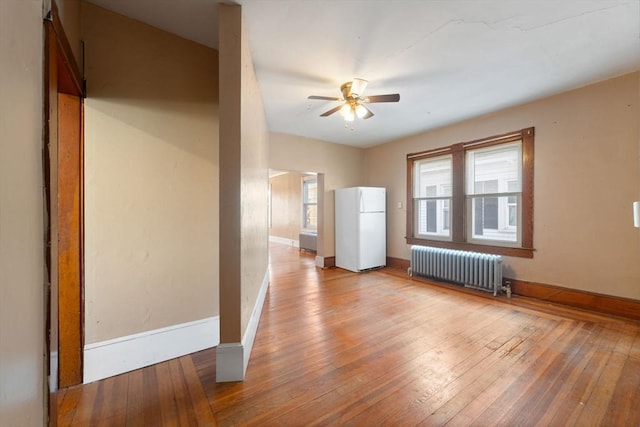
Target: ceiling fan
[352,96]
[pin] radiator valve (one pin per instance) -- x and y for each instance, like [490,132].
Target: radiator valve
[507,288]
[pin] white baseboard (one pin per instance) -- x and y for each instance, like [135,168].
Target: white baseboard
[232,359]
[123,354]
[230,362]
[288,242]
[252,326]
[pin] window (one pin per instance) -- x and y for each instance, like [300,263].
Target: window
[493,176]
[474,195]
[433,189]
[310,202]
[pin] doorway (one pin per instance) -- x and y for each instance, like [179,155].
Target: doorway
[296,210]
[63,172]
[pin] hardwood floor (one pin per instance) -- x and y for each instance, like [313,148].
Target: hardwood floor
[378,348]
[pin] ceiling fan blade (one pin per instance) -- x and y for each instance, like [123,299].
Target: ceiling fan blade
[395,97]
[368,114]
[330,112]
[325,98]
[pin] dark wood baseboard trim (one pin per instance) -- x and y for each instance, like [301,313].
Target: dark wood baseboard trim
[399,263]
[329,261]
[617,306]
[600,303]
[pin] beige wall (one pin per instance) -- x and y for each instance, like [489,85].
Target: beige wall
[244,177]
[254,171]
[151,177]
[286,205]
[587,173]
[21,215]
[342,166]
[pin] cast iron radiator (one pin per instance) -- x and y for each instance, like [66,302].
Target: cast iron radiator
[471,269]
[308,241]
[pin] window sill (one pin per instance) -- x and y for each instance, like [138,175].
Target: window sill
[464,246]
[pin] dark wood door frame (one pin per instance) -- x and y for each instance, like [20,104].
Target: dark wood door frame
[63,171]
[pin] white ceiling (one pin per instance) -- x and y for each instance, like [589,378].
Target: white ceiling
[448,59]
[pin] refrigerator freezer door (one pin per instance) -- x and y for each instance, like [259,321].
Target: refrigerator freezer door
[372,240]
[372,199]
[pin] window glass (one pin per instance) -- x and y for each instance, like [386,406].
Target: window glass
[446,218]
[494,167]
[493,182]
[432,194]
[310,203]
[512,203]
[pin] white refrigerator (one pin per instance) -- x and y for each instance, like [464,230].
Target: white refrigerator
[360,226]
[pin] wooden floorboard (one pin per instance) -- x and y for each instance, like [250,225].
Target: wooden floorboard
[380,348]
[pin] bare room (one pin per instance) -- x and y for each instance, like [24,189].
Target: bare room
[320,212]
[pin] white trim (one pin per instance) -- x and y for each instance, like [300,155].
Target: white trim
[288,242]
[123,354]
[53,375]
[252,326]
[228,368]
[320,261]
[232,359]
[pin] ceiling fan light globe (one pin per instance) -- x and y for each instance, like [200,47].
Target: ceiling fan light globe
[348,113]
[358,86]
[361,111]
[345,110]
[349,117]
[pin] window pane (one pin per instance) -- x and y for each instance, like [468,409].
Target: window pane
[432,188]
[478,209]
[486,187]
[513,215]
[491,171]
[310,190]
[498,168]
[445,215]
[421,212]
[487,223]
[512,204]
[433,175]
[310,216]
[309,202]
[490,214]
[432,218]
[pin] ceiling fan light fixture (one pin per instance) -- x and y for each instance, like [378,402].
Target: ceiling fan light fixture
[358,86]
[361,111]
[349,117]
[347,112]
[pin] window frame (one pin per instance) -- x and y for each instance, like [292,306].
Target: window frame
[461,238]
